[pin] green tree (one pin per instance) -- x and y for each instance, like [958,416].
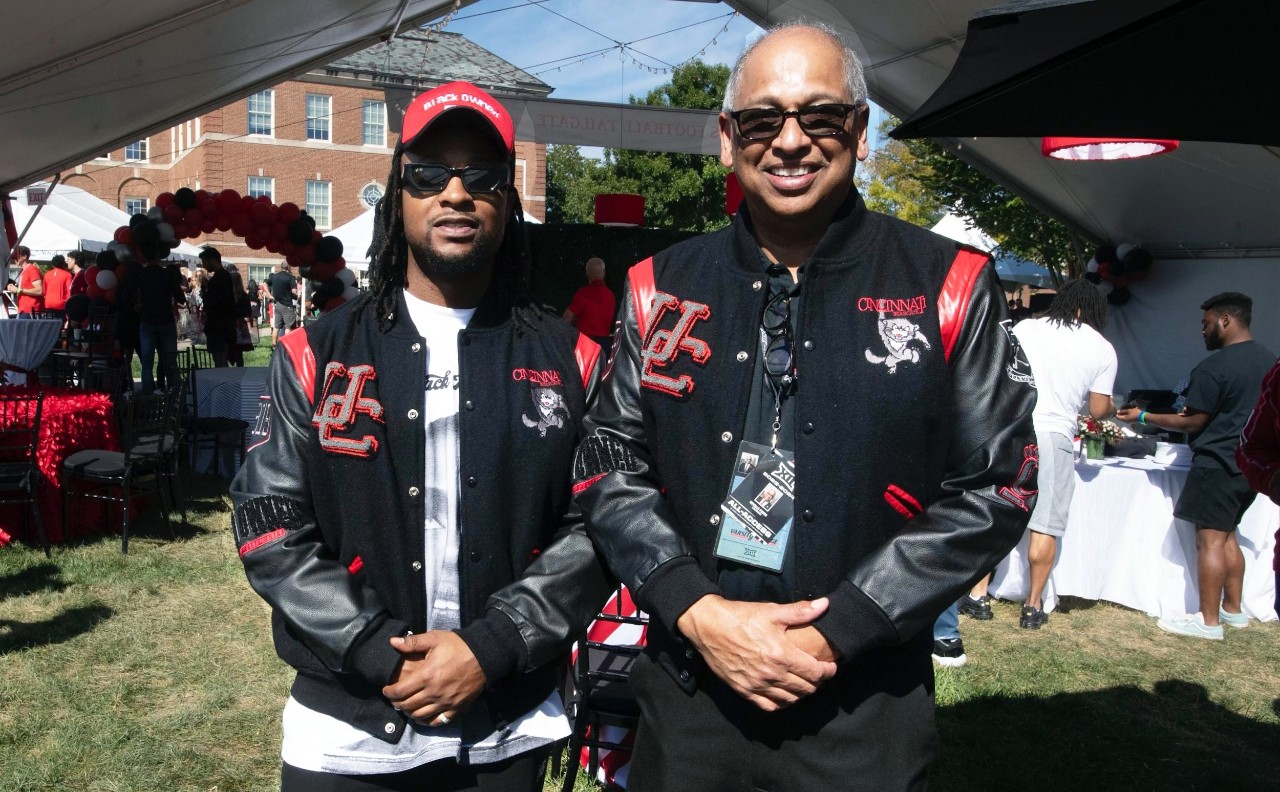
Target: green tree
[682,191]
[890,182]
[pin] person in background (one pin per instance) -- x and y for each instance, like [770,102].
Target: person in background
[156,294]
[219,305]
[75,263]
[1073,366]
[255,293]
[243,314]
[284,298]
[1258,454]
[791,650]
[402,514]
[30,286]
[593,306]
[1224,388]
[56,286]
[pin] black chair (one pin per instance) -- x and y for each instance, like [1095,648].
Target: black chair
[206,431]
[20,476]
[603,696]
[121,476]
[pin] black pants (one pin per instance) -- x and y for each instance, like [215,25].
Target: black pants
[878,739]
[523,773]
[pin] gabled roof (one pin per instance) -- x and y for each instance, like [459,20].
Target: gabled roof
[418,57]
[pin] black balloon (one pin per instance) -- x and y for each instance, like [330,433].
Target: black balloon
[1136,261]
[304,272]
[300,232]
[185,198]
[77,307]
[331,288]
[136,219]
[1093,277]
[107,260]
[1104,253]
[328,249]
[1119,296]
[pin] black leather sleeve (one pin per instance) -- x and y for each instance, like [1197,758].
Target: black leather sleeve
[988,493]
[557,596]
[626,515]
[343,622]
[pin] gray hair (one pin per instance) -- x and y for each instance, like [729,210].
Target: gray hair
[855,81]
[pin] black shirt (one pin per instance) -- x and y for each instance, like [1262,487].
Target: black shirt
[157,293]
[1226,386]
[282,285]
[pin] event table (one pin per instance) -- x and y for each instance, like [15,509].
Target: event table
[25,343]
[1124,545]
[72,420]
[232,392]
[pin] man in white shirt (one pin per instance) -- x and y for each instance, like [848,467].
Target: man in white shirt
[1070,361]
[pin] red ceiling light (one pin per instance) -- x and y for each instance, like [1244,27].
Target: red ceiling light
[1074,148]
[619,209]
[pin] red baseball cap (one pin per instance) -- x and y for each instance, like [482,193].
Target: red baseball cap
[427,107]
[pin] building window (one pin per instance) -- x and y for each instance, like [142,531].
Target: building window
[371,194]
[261,108]
[133,206]
[318,108]
[136,151]
[318,202]
[375,123]
[262,185]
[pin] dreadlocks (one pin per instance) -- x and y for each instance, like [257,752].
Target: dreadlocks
[389,255]
[1079,301]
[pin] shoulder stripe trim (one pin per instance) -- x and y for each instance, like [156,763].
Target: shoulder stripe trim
[298,347]
[255,543]
[586,352]
[642,289]
[957,292]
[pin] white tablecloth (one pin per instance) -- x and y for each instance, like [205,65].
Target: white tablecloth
[25,343]
[228,393]
[1123,544]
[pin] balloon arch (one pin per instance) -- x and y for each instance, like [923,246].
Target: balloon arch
[285,230]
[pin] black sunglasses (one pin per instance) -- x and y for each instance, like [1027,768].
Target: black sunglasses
[778,362]
[764,123]
[432,177]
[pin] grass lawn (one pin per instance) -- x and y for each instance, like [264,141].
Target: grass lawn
[155,672]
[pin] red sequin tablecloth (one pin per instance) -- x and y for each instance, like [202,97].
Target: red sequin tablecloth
[72,420]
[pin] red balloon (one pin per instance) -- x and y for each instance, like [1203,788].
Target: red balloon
[173,214]
[241,225]
[306,256]
[323,270]
[264,198]
[194,218]
[224,222]
[246,203]
[291,258]
[208,226]
[341,262]
[110,294]
[120,269]
[209,207]
[202,196]
[94,290]
[272,245]
[288,212]
[254,241]
[180,230]
[124,235]
[279,231]
[164,200]
[287,248]
[91,274]
[316,236]
[228,201]
[261,215]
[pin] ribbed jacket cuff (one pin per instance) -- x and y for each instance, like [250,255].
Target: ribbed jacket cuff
[672,588]
[373,658]
[854,623]
[495,641]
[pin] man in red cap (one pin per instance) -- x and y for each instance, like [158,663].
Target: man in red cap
[401,504]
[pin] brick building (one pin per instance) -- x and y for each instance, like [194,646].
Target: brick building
[322,140]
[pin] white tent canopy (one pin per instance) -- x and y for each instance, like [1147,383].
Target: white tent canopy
[72,219]
[1010,268]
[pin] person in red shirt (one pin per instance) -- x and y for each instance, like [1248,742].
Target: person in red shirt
[592,307]
[1258,454]
[30,286]
[57,285]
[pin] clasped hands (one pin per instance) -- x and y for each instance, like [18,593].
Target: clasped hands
[769,654]
[438,677]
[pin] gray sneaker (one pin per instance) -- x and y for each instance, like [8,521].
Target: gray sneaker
[1237,620]
[1192,626]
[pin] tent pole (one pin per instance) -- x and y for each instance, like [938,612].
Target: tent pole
[57,178]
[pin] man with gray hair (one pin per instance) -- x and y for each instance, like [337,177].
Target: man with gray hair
[815,436]
[592,307]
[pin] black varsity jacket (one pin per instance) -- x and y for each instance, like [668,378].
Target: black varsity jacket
[915,455]
[329,514]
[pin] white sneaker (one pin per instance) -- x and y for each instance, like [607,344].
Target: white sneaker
[1192,626]
[1237,620]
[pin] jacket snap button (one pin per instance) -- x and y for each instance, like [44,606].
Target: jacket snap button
[413,492]
[727,437]
[471,481]
[416,347]
[756,286]
[809,515]
[468,405]
[715,519]
[742,356]
[808,344]
[689,653]
[413,414]
[808,428]
[684,676]
[475,555]
[417,566]
[390,728]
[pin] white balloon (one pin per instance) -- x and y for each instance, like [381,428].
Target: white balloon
[1123,249]
[106,279]
[346,276]
[155,213]
[166,232]
[350,293]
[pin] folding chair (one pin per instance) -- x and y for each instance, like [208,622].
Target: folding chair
[122,476]
[207,431]
[601,672]
[20,477]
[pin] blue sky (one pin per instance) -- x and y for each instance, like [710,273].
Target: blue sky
[542,36]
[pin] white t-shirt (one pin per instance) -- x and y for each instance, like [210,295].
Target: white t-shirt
[1068,364]
[315,741]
